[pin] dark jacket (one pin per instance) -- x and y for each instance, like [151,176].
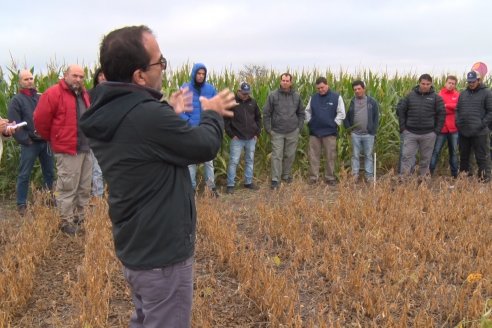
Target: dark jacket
[246,122]
[372,116]
[421,113]
[204,90]
[474,111]
[21,109]
[144,150]
[283,111]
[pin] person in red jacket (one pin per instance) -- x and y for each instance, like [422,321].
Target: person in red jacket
[56,119]
[449,131]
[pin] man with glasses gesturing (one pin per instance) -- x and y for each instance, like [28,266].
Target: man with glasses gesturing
[144,149]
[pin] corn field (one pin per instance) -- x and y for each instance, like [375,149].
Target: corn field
[387,90]
[398,253]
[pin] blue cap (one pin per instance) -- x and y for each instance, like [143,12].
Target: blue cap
[245,88]
[472,76]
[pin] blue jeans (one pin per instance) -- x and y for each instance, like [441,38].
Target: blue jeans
[364,142]
[452,139]
[28,157]
[236,148]
[209,174]
[97,178]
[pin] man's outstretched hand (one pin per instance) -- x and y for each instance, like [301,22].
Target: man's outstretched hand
[220,103]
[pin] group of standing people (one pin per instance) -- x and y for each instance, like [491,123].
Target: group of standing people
[53,136]
[148,150]
[428,119]
[284,116]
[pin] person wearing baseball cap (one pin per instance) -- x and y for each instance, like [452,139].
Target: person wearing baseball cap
[244,129]
[474,119]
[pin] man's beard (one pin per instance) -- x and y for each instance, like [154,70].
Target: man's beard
[75,88]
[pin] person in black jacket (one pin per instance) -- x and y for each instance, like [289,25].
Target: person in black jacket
[421,116]
[243,129]
[21,109]
[144,149]
[473,119]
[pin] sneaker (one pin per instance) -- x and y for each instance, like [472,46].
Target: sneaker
[215,194]
[69,229]
[251,186]
[274,185]
[230,190]
[22,209]
[287,180]
[331,182]
[312,181]
[78,220]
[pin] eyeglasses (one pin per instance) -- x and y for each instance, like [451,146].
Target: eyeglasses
[162,61]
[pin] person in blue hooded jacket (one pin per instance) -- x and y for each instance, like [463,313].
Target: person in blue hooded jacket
[200,88]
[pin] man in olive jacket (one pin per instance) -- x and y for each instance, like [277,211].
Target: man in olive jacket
[473,119]
[421,117]
[283,117]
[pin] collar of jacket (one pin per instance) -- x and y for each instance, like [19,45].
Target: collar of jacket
[417,90]
[28,92]
[478,88]
[444,90]
[135,87]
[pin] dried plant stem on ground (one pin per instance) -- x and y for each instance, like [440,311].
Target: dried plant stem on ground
[20,258]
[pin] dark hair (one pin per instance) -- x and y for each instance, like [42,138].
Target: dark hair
[286,74]
[358,82]
[122,52]
[321,80]
[452,77]
[95,79]
[426,77]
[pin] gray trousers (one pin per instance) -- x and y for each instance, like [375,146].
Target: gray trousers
[424,144]
[317,145]
[162,297]
[284,147]
[73,185]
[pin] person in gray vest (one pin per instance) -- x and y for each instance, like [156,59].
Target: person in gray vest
[363,121]
[283,116]
[421,118]
[324,113]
